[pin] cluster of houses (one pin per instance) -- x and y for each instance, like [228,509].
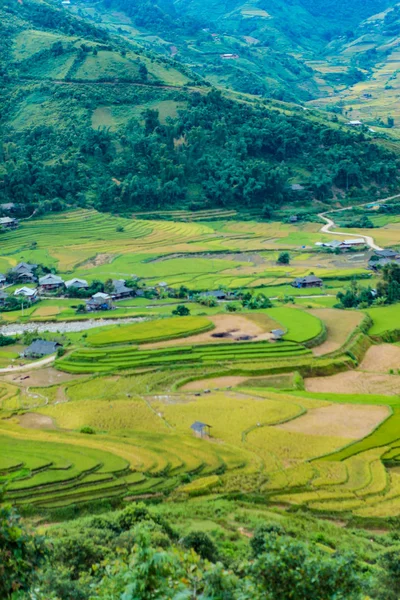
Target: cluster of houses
[25,273]
[380,258]
[343,245]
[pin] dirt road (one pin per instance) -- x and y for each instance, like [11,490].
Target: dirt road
[28,367]
[329,223]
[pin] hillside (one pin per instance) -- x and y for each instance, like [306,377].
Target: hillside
[90,118]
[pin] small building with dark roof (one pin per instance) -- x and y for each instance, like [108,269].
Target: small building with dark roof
[3,279]
[40,348]
[79,284]
[201,429]
[387,253]
[120,290]
[309,281]
[51,282]
[217,294]
[24,271]
[3,298]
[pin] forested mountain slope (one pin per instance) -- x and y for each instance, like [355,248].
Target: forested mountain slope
[90,118]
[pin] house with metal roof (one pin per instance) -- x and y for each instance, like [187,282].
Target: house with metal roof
[3,298]
[51,282]
[80,284]
[308,281]
[120,290]
[8,223]
[277,334]
[201,429]
[24,271]
[99,301]
[3,279]
[40,348]
[28,293]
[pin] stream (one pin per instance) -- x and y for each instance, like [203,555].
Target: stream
[63,326]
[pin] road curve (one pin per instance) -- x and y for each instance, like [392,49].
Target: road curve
[329,223]
[28,367]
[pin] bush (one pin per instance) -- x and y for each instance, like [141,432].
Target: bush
[6,340]
[284,258]
[181,310]
[20,554]
[87,429]
[202,544]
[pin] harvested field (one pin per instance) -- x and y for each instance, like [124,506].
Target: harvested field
[239,325]
[216,382]
[339,324]
[355,382]
[350,421]
[36,421]
[39,377]
[381,358]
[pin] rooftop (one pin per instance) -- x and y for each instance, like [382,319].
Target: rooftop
[41,347]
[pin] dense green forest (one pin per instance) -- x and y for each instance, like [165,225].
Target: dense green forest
[160,136]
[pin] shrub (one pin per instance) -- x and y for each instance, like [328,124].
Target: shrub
[202,544]
[284,258]
[87,429]
[20,554]
[181,310]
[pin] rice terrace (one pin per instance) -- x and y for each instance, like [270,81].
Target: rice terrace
[215,376]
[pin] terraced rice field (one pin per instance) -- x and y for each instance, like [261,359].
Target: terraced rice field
[86,360]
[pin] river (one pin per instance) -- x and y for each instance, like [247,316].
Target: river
[63,326]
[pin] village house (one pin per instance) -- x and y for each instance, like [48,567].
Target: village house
[40,348]
[217,294]
[200,429]
[8,206]
[28,293]
[309,281]
[24,271]
[3,279]
[277,334]
[79,284]
[387,253]
[3,298]
[355,123]
[342,245]
[99,301]
[120,290]
[8,223]
[51,282]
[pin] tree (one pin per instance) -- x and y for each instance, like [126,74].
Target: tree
[202,544]
[390,578]
[291,569]
[181,310]
[21,553]
[284,258]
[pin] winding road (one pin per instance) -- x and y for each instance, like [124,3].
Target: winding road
[329,223]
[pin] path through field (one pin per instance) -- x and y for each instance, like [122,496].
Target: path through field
[33,365]
[369,240]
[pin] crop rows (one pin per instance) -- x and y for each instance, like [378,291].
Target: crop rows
[132,358]
[49,474]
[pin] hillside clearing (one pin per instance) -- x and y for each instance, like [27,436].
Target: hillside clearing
[345,420]
[355,382]
[339,325]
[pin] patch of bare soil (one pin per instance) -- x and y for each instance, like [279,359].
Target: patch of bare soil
[351,421]
[39,377]
[36,421]
[339,324]
[381,358]
[98,260]
[241,325]
[355,382]
[215,383]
